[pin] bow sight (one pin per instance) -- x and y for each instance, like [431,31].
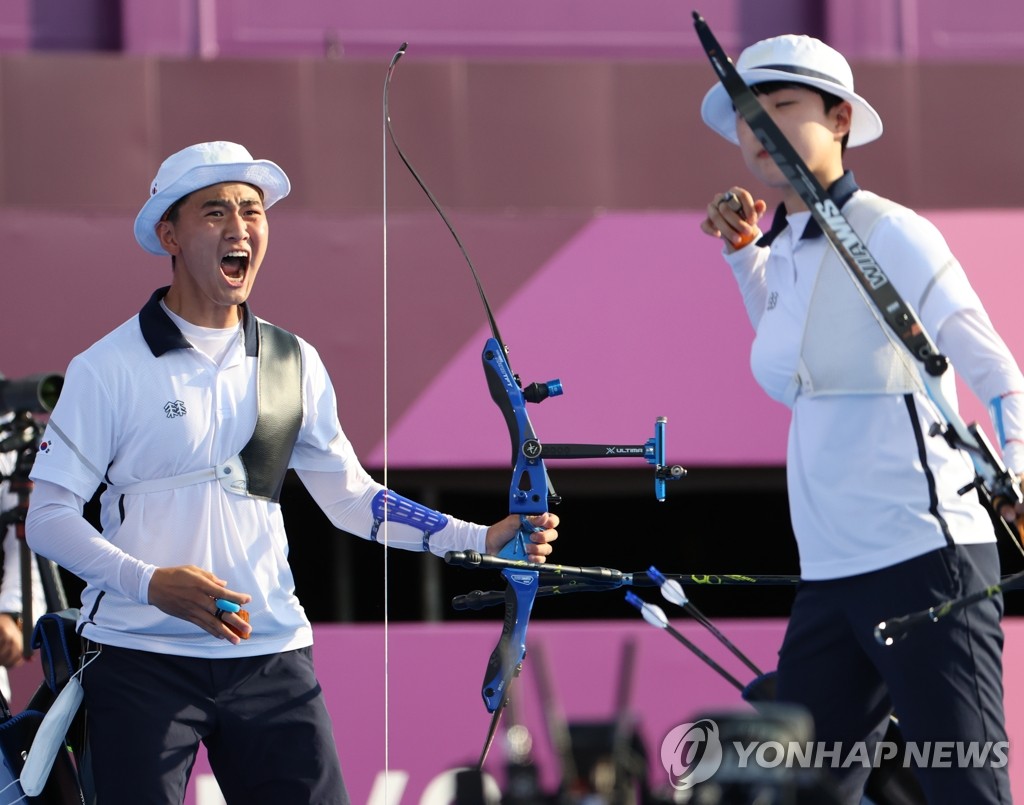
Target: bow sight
[528,452]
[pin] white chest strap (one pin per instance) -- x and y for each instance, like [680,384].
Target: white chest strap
[259,468]
[230,474]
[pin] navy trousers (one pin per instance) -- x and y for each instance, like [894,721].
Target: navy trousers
[943,680]
[263,720]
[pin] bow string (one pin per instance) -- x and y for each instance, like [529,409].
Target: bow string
[530,491]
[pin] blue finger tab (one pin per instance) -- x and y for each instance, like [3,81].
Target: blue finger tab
[227,606]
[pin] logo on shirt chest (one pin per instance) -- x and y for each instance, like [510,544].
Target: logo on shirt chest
[174,409]
[773,300]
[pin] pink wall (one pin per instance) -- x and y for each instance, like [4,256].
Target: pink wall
[15,26]
[85,133]
[633,311]
[930,30]
[435,718]
[574,186]
[646,29]
[871,29]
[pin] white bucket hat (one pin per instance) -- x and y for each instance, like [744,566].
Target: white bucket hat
[796,59]
[200,166]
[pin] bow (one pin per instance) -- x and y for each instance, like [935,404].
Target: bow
[530,491]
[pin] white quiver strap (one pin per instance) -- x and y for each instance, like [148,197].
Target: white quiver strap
[845,349]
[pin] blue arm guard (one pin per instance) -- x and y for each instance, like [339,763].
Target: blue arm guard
[405,512]
[995,407]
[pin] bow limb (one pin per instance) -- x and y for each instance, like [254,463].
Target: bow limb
[530,490]
[506,660]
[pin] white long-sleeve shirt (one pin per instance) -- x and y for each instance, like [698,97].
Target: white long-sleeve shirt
[868,487]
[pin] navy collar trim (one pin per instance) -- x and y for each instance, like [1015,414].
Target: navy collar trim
[840,192]
[162,334]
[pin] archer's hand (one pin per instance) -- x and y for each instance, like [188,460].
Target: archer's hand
[188,592]
[733,217]
[11,641]
[539,546]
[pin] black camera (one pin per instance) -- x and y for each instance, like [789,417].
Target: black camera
[746,777]
[36,394]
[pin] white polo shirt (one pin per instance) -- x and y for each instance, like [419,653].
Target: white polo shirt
[868,487]
[142,404]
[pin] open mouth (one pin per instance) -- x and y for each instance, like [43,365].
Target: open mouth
[234,265]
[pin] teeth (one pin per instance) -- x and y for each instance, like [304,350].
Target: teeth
[234,263]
